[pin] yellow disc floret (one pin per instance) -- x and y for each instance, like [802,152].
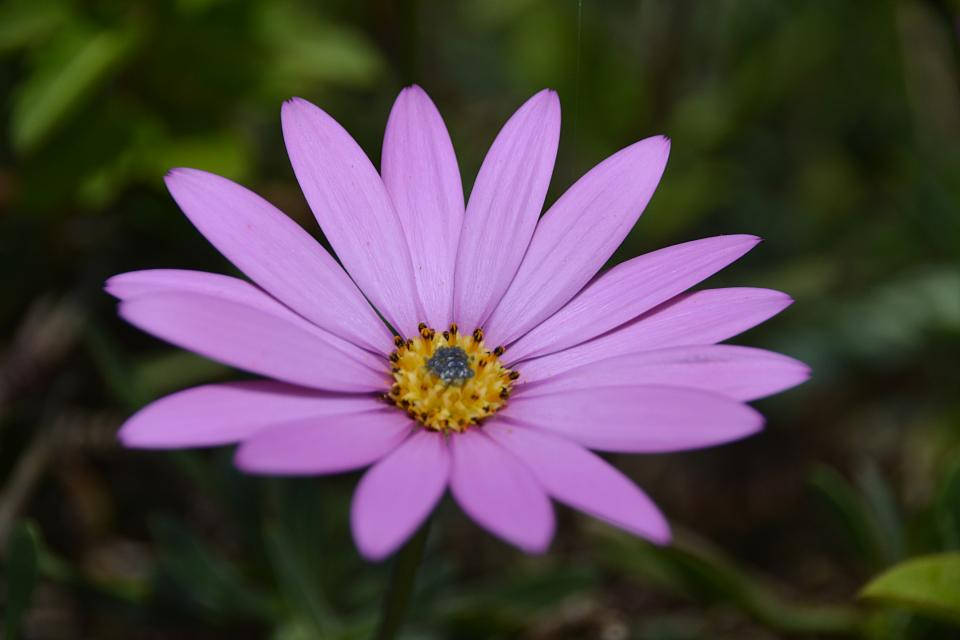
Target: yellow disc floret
[448,381]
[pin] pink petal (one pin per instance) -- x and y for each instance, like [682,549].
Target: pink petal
[499,492]
[574,476]
[277,254]
[504,206]
[351,204]
[330,444]
[398,493]
[421,175]
[701,317]
[132,284]
[577,235]
[629,289]
[741,373]
[254,339]
[637,419]
[217,414]
[150,281]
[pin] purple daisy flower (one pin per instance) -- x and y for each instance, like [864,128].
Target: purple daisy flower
[511,357]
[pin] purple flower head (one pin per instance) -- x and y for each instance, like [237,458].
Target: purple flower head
[508,359]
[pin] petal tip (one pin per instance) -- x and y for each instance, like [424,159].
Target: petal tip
[665,144]
[660,537]
[373,550]
[536,546]
[546,99]
[242,460]
[126,311]
[756,424]
[412,97]
[180,178]
[781,299]
[291,107]
[372,553]
[803,372]
[413,89]
[743,243]
[127,437]
[134,435]
[176,174]
[110,286]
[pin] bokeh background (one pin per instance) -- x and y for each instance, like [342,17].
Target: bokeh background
[831,129]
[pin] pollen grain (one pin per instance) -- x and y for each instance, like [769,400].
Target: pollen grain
[448,381]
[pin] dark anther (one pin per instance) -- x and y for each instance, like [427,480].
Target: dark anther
[504,392]
[398,341]
[409,344]
[395,370]
[446,336]
[394,357]
[421,327]
[453,328]
[514,375]
[499,351]
[478,335]
[451,365]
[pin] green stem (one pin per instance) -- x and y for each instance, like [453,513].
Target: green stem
[404,574]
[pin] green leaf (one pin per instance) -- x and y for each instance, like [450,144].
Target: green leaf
[928,585]
[301,588]
[305,48]
[206,580]
[888,525]
[21,576]
[947,507]
[855,516]
[690,566]
[26,22]
[63,79]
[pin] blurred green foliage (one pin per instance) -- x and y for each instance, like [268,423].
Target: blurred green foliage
[930,584]
[21,578]
[830,129]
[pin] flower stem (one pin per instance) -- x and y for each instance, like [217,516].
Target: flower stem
[405,565]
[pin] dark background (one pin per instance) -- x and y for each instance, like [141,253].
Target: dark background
[830,129]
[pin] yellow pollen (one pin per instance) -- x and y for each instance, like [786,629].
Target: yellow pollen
[447,380]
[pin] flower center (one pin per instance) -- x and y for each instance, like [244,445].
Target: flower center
[448,381]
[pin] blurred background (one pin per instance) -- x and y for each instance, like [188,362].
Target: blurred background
[831,129]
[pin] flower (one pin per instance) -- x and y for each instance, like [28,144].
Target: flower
[510,360]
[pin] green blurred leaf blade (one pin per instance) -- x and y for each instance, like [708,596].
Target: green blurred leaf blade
[928,585]
[21,572]
[64,78]
[26,22]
